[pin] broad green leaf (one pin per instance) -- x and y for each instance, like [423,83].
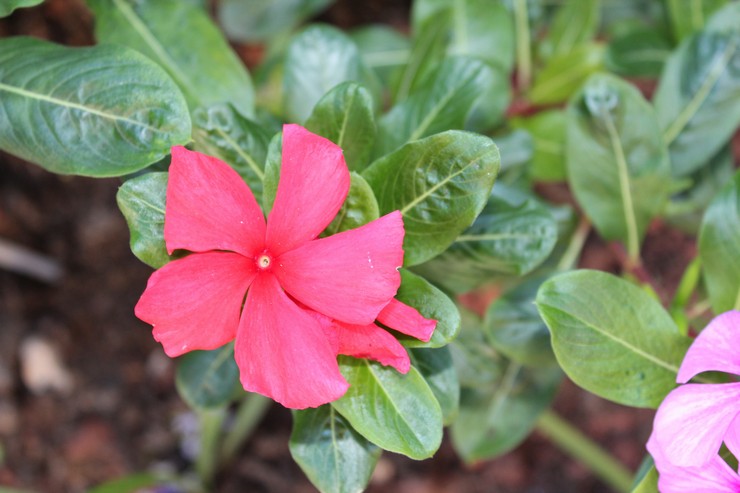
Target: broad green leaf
[698,98]
[432,303]
[221,131]
[208,379]
[319,58]
[641,51]
[345,115]
[185,42]
[437,368]
[360,207]
[427,49]
[142,201]
[261,20]
[719,248]
[383,49]
[689,17]
[397,412]
[575,23]
[611,337]
[548,134]
[333,455]
[474,358]
[8,6]
[617,160]
[443,101]
[95,111]
[440,184]
[514,326]
[565,73]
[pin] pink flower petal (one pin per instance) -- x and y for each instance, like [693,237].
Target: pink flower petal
[209,207]
[715,349]
[370,342]
[691,423]
[407,320]
[349,276]
[314,181]
[732,437]
[194,302]
[282,351]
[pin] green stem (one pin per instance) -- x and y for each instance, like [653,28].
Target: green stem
[211,424]
[523,49]
[250,412]
[583,449]
[573,252]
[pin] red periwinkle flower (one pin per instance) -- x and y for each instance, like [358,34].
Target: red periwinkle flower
[307,299]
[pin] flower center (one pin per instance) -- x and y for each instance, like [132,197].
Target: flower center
[264,261]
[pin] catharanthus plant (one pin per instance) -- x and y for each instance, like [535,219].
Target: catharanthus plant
[307,299]
[695,420]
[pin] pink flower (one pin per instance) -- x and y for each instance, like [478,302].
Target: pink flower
[307,299]
[695,419]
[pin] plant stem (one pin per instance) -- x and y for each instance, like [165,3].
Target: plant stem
[211,423]
[583,449]
[573,252]
[523,49]
[249,414]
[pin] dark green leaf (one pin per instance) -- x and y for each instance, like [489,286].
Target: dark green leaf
[641,52]
[565,73]
[208,379]
[96,111]
[719,248]
[689,17]
[611,337]
[333,455]
[185,42]
[474,358]
[575,23]
[436,366]
[548,134]
[440,184]
[8,6]
[272,172]
[345,116]
[128,484]
[260,20]
[359,208]
[383,49]
[397,412]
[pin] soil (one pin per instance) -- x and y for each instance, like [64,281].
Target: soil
[119,414]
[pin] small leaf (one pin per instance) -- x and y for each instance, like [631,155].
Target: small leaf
[611,337]
[440,184]
[8,6]
[94,111]
[261,20]
[565,73]
[437,368]
[359,208]
[208,379]
[548,135]
[142,203]
[333,455]
[397,412]
[575,23]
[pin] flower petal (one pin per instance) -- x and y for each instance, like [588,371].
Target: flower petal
[209,207]
[406,320]
[349,276]
[282,351]
[715,349]
[314,181]
[691,423]
[371,342]
[194,302]
[732,437]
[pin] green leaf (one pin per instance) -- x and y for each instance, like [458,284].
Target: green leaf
[443,101]
[548,134]
[725,19]
[383,49]
[261,20]
[96,111]
[617,160]
[127,484]
[221,131]
[719,248]
[358,209]
[208,379]
[611,337]
[397,412]
[185,42]
[516,148]
[317,59]
[345,115]
[565,73]
[142,201]
[440,184]
[437,368]
[432,303]
[649,483]
[272,172]
[575,23]
[689,17]
[698,99]
[472,354]
[333,455]
[641,51]
[8,6]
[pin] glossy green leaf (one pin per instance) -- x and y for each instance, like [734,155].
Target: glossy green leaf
[318,58]
[617,160]
[698,99]
[345,115]
[383,49]
[221,131]
[443,101]
[689,17]
[432,303]
[437,368]
[142,201]
[183,40]
[611,337]
[514,326]
[719,248]
[565,73]
[575,23]
[547,129]
[208,379]
[8,6]
[94,111]
[360,207]
[427,49]
[440,184]
[261,20]
[641,51]
[397,412]
[333,455]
